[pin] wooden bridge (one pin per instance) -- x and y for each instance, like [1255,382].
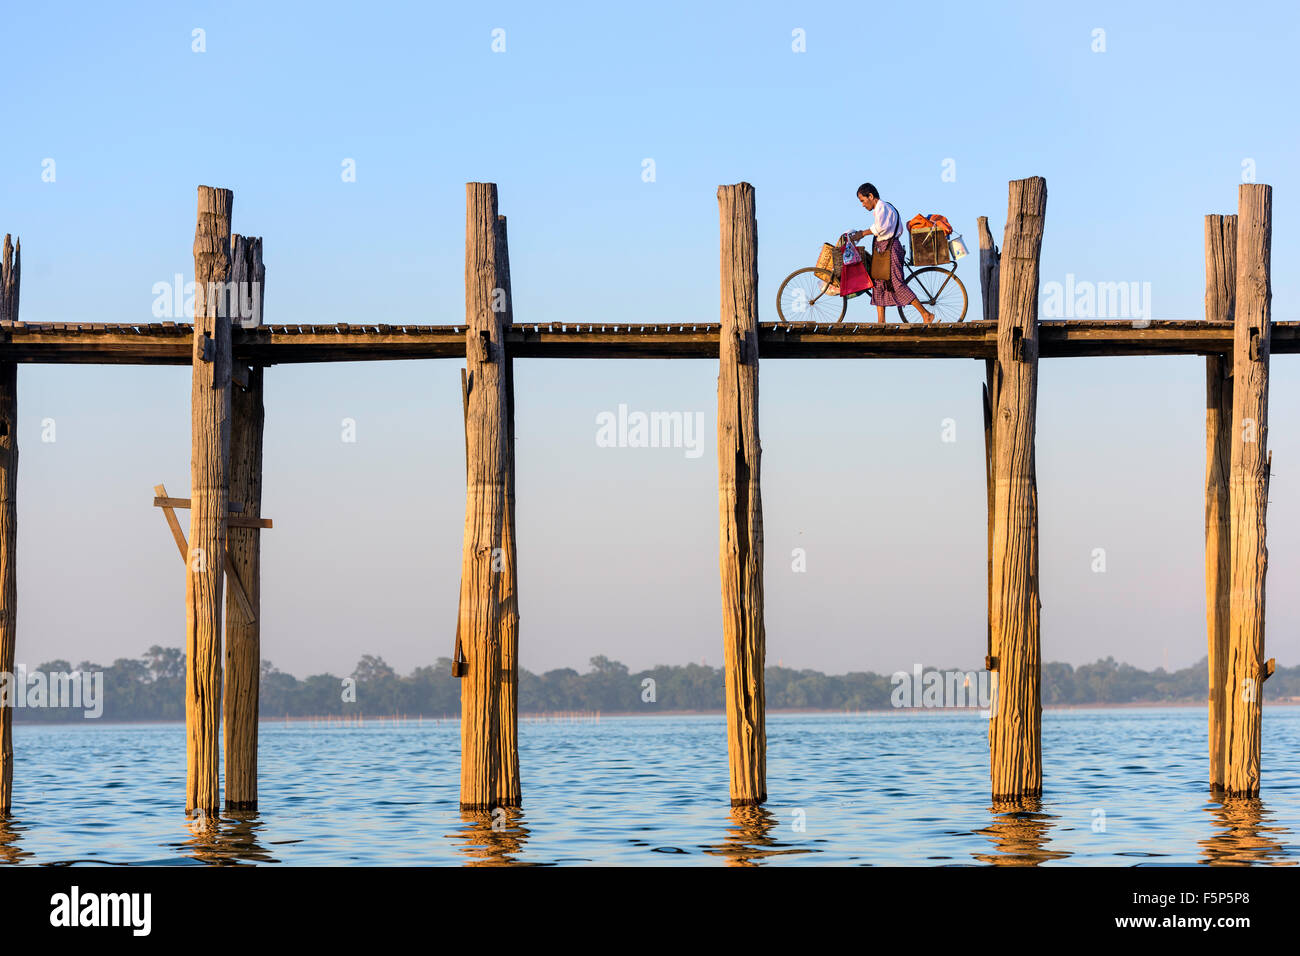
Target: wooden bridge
[168,343]
[1236,338]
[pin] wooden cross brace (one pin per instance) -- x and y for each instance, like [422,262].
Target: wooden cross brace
[169,506]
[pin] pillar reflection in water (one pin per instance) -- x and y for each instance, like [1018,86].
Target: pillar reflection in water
[749,840]
[1019,834]
[492,839]
[229,840]
[1246,835]
[10,837]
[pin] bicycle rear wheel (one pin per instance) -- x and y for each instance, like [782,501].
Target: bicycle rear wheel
[940,291]
[803,297]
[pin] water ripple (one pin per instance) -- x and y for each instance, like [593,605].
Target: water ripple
[850,790]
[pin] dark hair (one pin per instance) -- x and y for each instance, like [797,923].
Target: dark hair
[866,189]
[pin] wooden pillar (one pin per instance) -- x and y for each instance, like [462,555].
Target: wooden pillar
[989,313]
[243,545]
[1015,745]
[740,503]
[508,576]
[1248,491]
[10,281]
[989,403]
[209,500]
[989,271]
[482,783]
[1220,295]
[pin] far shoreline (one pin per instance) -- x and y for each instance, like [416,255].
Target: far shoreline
[352,720]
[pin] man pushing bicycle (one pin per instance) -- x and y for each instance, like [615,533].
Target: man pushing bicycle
[887,232]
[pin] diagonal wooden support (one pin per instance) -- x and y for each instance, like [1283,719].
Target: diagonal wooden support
[169,506]
[233,519]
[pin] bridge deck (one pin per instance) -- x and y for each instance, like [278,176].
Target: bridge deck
[168,343]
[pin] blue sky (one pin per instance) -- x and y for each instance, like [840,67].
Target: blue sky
[618,546]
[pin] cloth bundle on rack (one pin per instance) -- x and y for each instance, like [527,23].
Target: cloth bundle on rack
[934,220]
[929,239]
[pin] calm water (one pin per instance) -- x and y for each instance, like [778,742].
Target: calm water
[1124,788]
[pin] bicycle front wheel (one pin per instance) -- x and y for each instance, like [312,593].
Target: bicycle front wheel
[803,297]
[940,291]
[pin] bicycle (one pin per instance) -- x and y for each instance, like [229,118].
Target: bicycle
[812,294]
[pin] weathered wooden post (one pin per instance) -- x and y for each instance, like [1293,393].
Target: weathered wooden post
[508,576]
[243,636]
[11,267]
[1220,294]
[482,778]
[1248,491]
[740,502]
[1015,745]
[990,259]
[989,313]
[209,500]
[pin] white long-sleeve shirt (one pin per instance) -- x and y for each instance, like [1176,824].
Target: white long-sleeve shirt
[886,224]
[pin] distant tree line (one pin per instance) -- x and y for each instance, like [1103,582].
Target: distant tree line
[152,688]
